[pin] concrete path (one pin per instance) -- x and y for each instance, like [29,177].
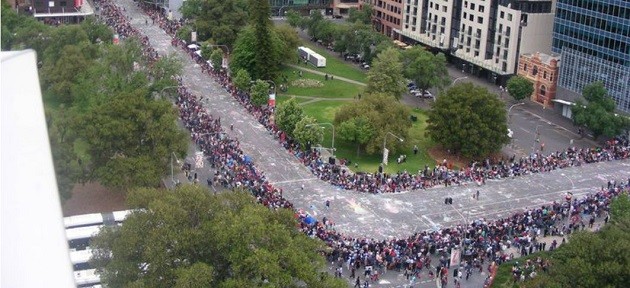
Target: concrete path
[324,73]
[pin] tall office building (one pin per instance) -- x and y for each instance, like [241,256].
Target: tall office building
[593,39]
[483,37]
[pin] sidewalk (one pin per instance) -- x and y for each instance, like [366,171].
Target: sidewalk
[322,73]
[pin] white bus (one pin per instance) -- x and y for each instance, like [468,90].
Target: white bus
[83,220]
[79,238]
[87,278]
[80,259]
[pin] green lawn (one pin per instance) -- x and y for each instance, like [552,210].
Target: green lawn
[324,111]
[283,98]
[330,89]
[335,65]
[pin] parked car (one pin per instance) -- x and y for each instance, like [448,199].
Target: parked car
[427,94]
[337,16]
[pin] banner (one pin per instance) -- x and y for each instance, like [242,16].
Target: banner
[385,154]
[199,160]
[456,256]
[272,99]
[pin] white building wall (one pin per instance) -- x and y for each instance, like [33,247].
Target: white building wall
[438,23]
[506,40]
[412,16]
[473,30]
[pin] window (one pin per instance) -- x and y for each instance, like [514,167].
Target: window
[534,71]
[465,15]
[545,75]
[472,6]
[479,20]
[502,15]
[481,8]
[471,17]
[525,67]
[509,17]
[543,90]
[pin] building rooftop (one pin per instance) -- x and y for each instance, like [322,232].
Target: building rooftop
[545,58]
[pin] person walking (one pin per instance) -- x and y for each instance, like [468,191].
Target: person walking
[415,149]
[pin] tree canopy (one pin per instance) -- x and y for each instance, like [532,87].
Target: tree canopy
[519,87]
[425,69]
[380,114]
[592,259]
[216,20]
[191,238]
[288,113]
[468,119]
[364,15]
[598,114]
[386,74]
[307,132]
[259,92]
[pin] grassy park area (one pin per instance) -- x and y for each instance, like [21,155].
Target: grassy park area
[335,65]
[322,98]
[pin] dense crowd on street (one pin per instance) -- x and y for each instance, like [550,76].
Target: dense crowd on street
[481,242]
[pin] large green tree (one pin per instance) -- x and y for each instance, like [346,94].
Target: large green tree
[242,80]
[598,114]
[386,74]
[246,55]
[357,130]
[287,114]
[468,119]
[216,20]
[308,132]
[130,139]
[425,69]
[266,64]
[598,259]
[259,92]
[519,87]
[383,116]
[363,16]
[191,238]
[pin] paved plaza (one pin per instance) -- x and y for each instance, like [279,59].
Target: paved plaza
[377,216]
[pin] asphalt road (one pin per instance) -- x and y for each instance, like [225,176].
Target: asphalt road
[386,215]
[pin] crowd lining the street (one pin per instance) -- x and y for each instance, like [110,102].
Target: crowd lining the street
[481,242]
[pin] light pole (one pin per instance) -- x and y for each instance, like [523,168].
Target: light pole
[275,88]
[510,110]
[227,51]
[385,143]
[333,134]
[537,139]
[280,10]
[460,78]
[173,174]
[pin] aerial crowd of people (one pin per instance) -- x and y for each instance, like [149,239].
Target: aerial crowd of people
[480,242]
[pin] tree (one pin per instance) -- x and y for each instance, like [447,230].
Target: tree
[242,81]
[190,238]
[288,113]
[383,115]
[468,119]
[216,58]
[216,20]
[60,74]
[97,31]
[164,72]
[363,16]
[294,19]
[130,139]
[259,93]
[520,88]
[246,50]
[599,114]
[307,132]
[357,130]
[290,41]
[386,75]
[267,55]
[425,69]
[620,208]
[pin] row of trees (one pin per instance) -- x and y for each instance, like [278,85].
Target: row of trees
[598,259]
[104,123]
[191,238]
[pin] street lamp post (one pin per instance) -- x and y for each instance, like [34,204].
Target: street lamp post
[385,143]
[460,78]
[510,110]
[172,173]
[227,51]
[333,134]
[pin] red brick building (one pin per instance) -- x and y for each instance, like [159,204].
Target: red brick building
[542,70]
[387,16]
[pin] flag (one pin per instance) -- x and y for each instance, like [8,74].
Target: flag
[456,257]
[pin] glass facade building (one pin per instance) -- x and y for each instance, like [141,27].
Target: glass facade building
[593,38]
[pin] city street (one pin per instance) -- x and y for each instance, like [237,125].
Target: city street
[386,215]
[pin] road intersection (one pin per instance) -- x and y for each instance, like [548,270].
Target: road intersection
[378,216]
